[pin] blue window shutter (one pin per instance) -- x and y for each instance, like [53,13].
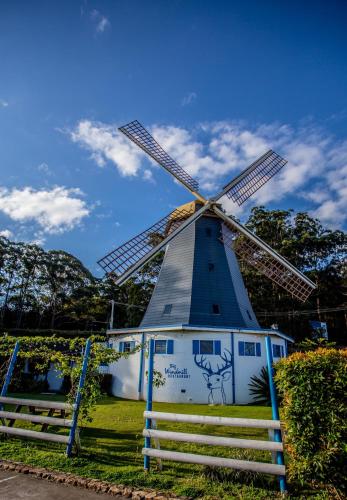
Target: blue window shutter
[282,352]
[121,346]
[196,347]
[258,348]
[217,349]
[273,350]
[170,348]
[241,348]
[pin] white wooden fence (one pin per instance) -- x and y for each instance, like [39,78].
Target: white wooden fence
[261,467]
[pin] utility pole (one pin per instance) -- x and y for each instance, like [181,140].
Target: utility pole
[112,314]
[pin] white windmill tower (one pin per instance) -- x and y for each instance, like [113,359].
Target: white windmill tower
[207,339]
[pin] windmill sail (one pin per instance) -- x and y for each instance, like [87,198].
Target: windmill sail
[253,178]
[265,260]
[140,136]
[128,258]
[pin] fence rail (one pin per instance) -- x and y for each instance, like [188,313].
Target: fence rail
[213,440]
[208,420]
[265,468]
[274,445]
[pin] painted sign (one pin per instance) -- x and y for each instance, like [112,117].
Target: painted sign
[174,372]
[319,329]
[215,378]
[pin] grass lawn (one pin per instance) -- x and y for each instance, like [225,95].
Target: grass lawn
[112,443]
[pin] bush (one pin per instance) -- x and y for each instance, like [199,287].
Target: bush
[313,385]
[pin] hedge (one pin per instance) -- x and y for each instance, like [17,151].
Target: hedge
[314,410]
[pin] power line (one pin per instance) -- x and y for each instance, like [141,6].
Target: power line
[129,305]
[301,313]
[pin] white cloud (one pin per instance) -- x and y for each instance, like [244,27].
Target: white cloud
[55,211]
[44,168]
[106,143]
[148,175]
[101,21]
[3,104]
[215,152]
[6,233]
[189,98]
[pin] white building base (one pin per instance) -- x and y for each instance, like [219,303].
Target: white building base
[192,376]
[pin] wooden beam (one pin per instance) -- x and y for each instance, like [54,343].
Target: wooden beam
[39,419]
[214,440]
[264,468]
[37,403]
[44,436]
[207,420]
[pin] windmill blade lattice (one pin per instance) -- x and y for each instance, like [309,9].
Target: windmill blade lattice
[254,177]
[126,256]
[140,136]
[269,266]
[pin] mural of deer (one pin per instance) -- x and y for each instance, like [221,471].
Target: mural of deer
[215,378]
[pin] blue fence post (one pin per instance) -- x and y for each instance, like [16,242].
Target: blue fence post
[10,369]
[142,354]
[78,398]
[149,401]
[275,412]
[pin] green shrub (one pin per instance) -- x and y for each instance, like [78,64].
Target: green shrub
[314,408]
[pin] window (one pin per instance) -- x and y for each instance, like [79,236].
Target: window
[210,266]
[167,309]
[163,346]
[215,309]
[277,351]
[249,348]
[126,346]
[208,232]
[206,347]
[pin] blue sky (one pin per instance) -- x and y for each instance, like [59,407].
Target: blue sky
[218,83]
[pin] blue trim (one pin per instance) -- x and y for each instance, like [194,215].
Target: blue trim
[233,368]
[196,346]
[241,348]
[78,397]
[10,371]
[170,347]
[217,347]
[275,411]
[149,402]
[139,387]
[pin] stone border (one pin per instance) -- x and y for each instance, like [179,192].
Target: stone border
[89,484]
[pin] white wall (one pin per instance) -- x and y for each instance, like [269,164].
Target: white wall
[185,382]
[125,371]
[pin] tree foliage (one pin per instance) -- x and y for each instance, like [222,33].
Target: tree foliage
[319,253]
[53,290]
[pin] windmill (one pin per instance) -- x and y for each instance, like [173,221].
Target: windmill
[126,260]
[200,312]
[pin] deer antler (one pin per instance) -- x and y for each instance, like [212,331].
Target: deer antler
[228,362]
[203,364]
